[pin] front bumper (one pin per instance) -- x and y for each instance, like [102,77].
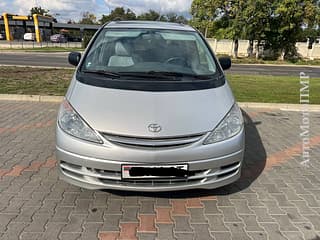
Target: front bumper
[95,178]
[94,172]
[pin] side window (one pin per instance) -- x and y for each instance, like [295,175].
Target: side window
[205,58]
[202,55]
[99,55]
[94,57]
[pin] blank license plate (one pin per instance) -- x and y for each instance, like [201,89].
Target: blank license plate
[154,171]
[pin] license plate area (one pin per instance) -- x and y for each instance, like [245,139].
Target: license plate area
[154,171]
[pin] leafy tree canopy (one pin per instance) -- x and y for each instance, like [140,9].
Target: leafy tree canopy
[88,18]
[276,22]
[119,13]
[149,16]
[39,10]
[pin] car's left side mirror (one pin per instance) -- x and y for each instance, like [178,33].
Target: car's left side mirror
[225,62]
[74,58]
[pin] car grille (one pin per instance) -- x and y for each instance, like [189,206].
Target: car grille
[114,177]
[161,142]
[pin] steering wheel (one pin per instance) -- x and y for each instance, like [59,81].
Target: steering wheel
[177,61]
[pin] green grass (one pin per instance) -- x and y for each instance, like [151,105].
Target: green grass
[271,89]
[43,49]
[246,88]
[34,81]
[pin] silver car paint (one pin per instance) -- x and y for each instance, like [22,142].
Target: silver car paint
[129,113]
[111,152]
[110,157]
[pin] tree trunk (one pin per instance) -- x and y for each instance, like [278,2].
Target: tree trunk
[250,48]
[206,32]
[283,53]
[236,48]
[258,50]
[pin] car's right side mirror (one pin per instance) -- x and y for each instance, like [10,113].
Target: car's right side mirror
[74,58]
[225,62]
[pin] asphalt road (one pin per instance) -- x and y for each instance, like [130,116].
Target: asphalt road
[35,59]
[60,60]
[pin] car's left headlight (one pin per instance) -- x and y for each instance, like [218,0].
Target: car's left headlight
[72,123]
[230,126]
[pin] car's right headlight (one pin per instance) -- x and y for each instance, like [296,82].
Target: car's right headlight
[71,122]
[230,126]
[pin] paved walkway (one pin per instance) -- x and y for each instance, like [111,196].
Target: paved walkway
[276,197]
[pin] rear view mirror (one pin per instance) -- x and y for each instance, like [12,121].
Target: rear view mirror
[74,58]
[225,62]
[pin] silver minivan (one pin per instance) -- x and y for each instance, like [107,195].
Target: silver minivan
[149,109]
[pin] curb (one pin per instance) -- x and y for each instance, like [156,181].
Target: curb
[31,98]
[34,52]
[280,106]
[31,66]
[276,65]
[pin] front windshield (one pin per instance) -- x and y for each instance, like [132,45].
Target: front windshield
[124,51]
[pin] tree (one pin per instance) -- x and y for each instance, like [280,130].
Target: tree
[149,16]
[88,18]
[287,21]
[278,23]
[227,13]
[256,16]
[118,13]
[70,21]
[204,13]
[39,10]
[173,17]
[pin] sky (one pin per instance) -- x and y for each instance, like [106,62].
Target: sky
[64,10]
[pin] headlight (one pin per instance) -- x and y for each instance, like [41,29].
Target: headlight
[70,122]
[230,126]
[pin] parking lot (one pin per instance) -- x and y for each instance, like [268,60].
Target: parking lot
[276,198]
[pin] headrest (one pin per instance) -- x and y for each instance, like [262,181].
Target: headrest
[120,50]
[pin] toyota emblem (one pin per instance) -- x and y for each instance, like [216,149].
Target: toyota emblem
[154,128]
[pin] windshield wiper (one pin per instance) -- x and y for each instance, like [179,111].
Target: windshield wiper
[160,77]
[166,75]
[102,72]
[181,74]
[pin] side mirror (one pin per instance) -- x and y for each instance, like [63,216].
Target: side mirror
[74,58]
[225,62]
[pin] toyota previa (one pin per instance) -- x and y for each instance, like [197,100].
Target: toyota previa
[149,109]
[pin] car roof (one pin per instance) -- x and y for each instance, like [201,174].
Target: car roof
[149,25]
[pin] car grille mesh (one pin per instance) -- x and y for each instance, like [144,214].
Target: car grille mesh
[161,142]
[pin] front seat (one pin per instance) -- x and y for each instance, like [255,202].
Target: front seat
[121,58]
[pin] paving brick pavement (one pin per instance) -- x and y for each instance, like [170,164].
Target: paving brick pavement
[276,197]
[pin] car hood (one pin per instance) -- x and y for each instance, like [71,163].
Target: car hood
[127,112]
